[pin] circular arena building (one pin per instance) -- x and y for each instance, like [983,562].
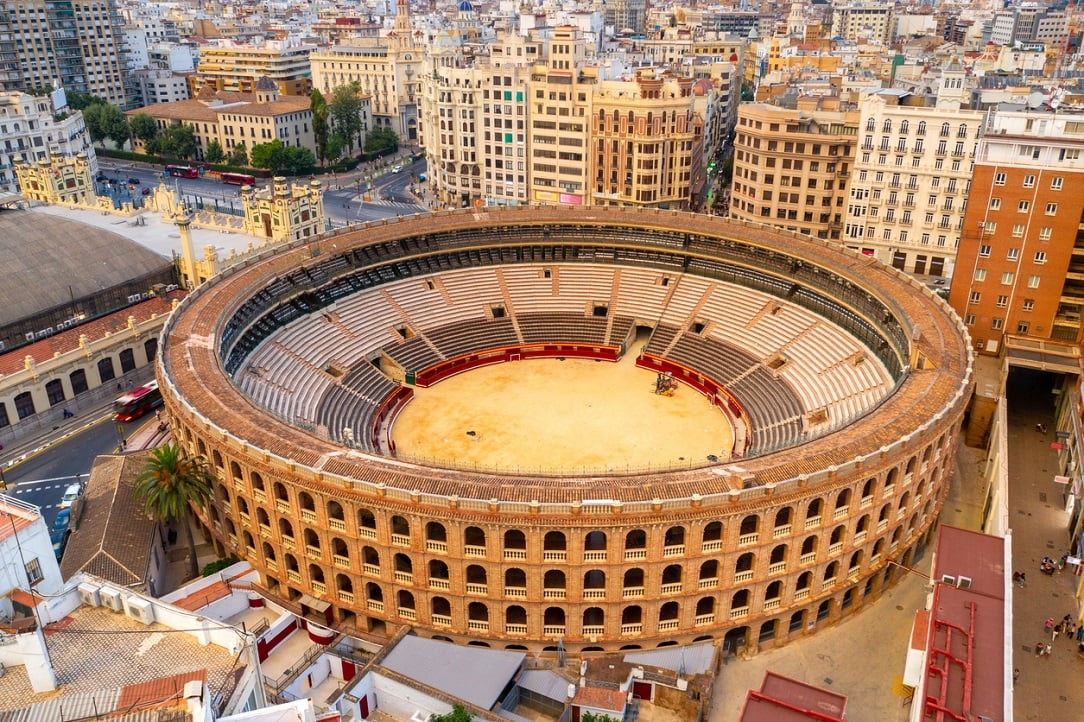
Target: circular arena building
[838,385]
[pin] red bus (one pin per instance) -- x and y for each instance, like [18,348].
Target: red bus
[137,402]
[182,171]
[238,179]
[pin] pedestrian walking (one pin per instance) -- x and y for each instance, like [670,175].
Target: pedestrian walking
[1049,625]
[1080,633]
[1015,675]
[1040,648]
[1049,650]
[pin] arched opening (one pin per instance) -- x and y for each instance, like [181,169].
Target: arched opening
[474,542]
[594,584]
[632,619]
[477,579]
[515,583]
[594,622]
[553,584]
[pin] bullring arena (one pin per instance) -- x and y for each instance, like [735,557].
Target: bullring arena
[825,394]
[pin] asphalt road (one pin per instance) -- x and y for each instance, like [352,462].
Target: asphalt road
[42,478]
[344,202]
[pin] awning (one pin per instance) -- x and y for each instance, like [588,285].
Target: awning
[316,605]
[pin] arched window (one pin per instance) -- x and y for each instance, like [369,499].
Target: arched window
[904,127]
[553,584]
[594,584]
[474,541]
[674,540]
[54,391]
[78,379]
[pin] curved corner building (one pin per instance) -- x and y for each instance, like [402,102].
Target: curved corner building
[845,382]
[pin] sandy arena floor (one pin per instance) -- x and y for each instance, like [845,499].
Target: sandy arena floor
[552,416]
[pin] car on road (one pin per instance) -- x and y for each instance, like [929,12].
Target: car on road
[421,177]
[101,179]
[73,492]
[146,191]
[60,542]
[62,521]
[397,169]
[134,181]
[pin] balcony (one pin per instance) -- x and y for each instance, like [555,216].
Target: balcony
[402,540]
[711,546]
[637,628]
[282,506]
[595,556]
[336,524]
[674,588]
[271,564]
[739,612]
[807,558]
[709,583]
[372,570]
[404,577]
[319,588]
[516,592]
[436,546]
[259,495]
[667,624]
[777,568]
[801,594]
[441,620]
[340,561]
[882,525]
[840,513]
[478,625]
[594,593]
[812,522]
[747,539]
[471,550]
[515,554]
[779,531]
[890,489]
[293,575]
[632,592]
[745,576]
[553,593]
[442,584]
[702,620]
[867,501]
[834,549]
[770,604]
[407,613]
[635,554]
[674,550]
[239,486]
[308,516]
[288,542]
[510,628]
[553,630]
[312,552]
[828,583]
[860,536]
[554,555]
[345,596]
[367,533]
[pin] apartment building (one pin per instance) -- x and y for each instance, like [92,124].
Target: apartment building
[77,44]
[236,67]
[157,85]
[791,167]
[908,192]
[388,69]
[32,128]
[234,118]
[1020,265]
[865,20]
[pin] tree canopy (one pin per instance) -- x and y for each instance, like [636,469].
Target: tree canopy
[345,111]
[214,152]
[458,714]
[320,125]
[379,139]
[283,159]
[106,122]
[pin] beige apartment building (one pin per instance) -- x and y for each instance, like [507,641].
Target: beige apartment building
[525,126]
[234,118]
[912,174]
[791,167]
[388,69]
[237,67]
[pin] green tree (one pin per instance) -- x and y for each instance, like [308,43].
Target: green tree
[297,161]
[92,118]
[320,125]
[169,483]
[267,155]
[214,152]
[458,714]
[239,154]
[592,717]
[345,110]
[380,139]
[144,127]
[178,141]
[114,124]
[335,146]
[82,101]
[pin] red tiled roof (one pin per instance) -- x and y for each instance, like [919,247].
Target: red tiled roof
[159,692]
[599,698]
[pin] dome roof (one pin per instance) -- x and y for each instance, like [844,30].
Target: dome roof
[465,6]
[49,260]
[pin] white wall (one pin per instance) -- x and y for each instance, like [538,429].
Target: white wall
[402,701]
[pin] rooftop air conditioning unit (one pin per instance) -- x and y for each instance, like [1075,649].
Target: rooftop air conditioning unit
[141,610]
[88,594]
[111,598]
[963,582]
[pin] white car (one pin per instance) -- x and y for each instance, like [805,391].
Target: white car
[73,492]
[397,169]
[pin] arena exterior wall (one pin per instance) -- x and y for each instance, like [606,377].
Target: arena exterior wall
[753,552]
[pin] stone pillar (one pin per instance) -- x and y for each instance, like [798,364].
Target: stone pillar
[189,272]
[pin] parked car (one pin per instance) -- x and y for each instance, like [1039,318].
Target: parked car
[63,520]
[60,542]
[396,169]
[73,492]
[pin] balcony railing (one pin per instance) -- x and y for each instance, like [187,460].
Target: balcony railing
[667,624]
[372,570]
[673,588]
[345,596]
[553,593]
[701,620]
[595,556]
[340,561]
[473,550]
[553,630]
[828,583]
[745,576]
[808,558]
[407,613]
[674,550]
[554,555]
[271,564]
[777,568]
[402,540]
[812,522]
[436,546]
[404,577]
[860,536]
[712,546]
[510,628]
[594,593]
[516,592]
[747,539]
[632,592]
[437,583]
[739,612]
[312,552]
[265,531]
[293,576]
[366,532]
[637,628]
[478,625]
[840,513]
[865,502]
[801,594]
[308,516]
[289,542]
[319,587]
[770,604]
[515,554]
[441,620]
[709,583]
[635,554]
[336,524]
[282,506]
[476,588]
[259,495]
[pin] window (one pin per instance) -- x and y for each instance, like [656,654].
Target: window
[988,227]
[1055,183]
[980,274]
[1028,305]
[1013,254]
[1045,233]
[969,319]
[1022,327]
[975,297]
[1051,209]
[1023,206]
[1029,181]
[1033,281]
[1006,280]
[1017,230]
[999,179]
[1040,256]
[33,572]
[997,323]
[995,204]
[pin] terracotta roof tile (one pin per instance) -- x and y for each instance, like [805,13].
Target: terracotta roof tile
[166,691]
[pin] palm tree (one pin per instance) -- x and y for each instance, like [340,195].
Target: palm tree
[169,483]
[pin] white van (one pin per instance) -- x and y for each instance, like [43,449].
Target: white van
[72,493]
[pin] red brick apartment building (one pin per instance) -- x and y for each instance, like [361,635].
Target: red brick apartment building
[1019,278]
